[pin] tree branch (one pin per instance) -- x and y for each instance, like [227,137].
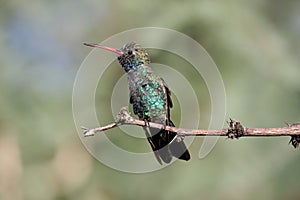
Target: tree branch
[235,129]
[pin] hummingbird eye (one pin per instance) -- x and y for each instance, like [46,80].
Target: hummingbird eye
[129,52]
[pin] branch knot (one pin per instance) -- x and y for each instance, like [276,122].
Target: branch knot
[123,116]
[295,139]
[235,130]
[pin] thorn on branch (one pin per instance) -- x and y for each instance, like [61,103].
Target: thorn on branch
[235,130]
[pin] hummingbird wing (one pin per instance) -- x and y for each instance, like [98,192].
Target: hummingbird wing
[169,103]
[177,147]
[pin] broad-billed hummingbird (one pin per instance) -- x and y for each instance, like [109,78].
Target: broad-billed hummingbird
[151,100]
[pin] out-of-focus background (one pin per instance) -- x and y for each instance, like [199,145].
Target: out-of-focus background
[255,45]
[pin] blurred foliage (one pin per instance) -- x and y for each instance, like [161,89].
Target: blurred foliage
[255,45]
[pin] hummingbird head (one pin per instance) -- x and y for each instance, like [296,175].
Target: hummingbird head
[133,55]
[130,56]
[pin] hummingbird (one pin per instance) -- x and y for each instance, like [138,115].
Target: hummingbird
[151,100]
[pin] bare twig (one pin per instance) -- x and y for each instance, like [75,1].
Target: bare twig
[235,129]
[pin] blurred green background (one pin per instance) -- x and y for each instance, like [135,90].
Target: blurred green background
[255,45]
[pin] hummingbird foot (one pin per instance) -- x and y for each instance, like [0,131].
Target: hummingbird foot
[146,122]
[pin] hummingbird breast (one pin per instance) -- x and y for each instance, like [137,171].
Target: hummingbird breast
[147,95]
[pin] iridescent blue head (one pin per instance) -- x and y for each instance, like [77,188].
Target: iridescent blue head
[131,55]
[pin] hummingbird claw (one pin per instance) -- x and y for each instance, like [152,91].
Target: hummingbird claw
[146,123]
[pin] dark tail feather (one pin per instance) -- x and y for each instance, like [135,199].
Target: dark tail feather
[178,148]
[160,144]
